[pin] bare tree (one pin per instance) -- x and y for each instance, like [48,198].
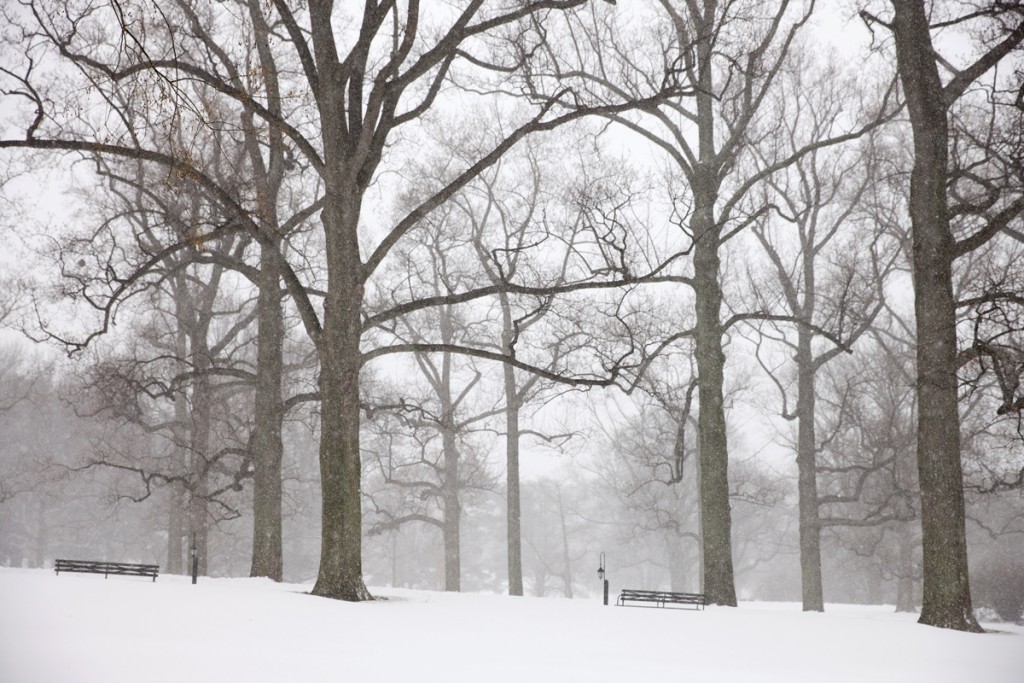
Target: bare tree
[441,464]
[367,86]
[549,534]
[508,219]
[830,281]
[725,58]
[936,201]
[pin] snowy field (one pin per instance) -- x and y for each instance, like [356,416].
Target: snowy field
[85,629]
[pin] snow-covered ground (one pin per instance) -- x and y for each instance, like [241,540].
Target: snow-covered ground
[85,629]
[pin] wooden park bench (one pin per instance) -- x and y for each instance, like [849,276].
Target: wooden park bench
[662,598]
[106,568]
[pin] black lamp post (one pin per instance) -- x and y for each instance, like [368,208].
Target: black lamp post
[601,574]
[195,560]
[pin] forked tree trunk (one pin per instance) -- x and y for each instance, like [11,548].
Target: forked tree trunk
[947,596]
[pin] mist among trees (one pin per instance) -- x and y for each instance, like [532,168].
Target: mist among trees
[458,296]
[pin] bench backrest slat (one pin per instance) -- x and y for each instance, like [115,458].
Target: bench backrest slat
[105,568]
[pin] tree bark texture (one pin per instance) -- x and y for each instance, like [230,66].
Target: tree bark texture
[341,567]
[716,517]
[946,593]
[266,446]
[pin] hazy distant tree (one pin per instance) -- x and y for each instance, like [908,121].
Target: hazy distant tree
[188,357]
[658,484]
[864,458]
[427,463]
[524,202]
[830,279]
[520,221]
[550,524]
[16,387]
[44,512]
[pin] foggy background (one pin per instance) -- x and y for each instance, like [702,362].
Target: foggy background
[98,452]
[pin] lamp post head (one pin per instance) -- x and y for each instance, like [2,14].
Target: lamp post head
[600,573]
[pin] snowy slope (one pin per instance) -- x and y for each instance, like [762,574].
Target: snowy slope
[85,629]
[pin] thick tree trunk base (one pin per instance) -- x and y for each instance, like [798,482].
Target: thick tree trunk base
[349,592]
[957,621]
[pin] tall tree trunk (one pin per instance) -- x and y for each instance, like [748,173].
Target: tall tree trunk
[181,497]
[341,566]
[393,548]
[200,414]
[807,479]
[512,491]
[514,533]
[200,447]
[451,494]
[266,445]
[198,526]
[452,526]
[947,596]
[716,520]
[699,536]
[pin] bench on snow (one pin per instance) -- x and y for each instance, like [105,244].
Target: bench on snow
[662,598]
[106,568]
